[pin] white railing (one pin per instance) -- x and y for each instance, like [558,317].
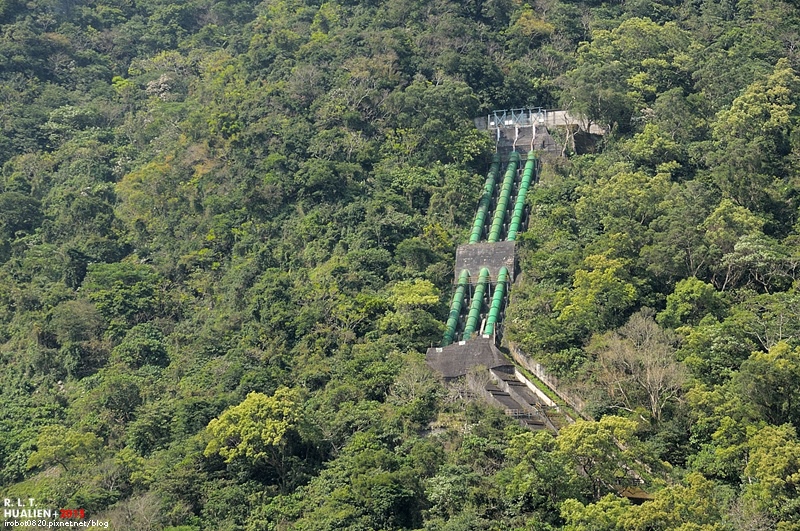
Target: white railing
[549,380]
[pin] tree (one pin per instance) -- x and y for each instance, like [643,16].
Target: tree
[603,515]
[76,320]
[599,92]
[603,451]
[753,137]
[769,318]
[690,507]
[414,392]
[727,225]
[407,295]
[761,263]
[528,30]
[18,212]
[637,366]
[143,345]
[78,328]
[723,455]
[538,476]
[258,430]
[109,400]
[626,202]
[678,248]
[771,381]
[152,429]
[369,486]
[124,293]
[691,300]
[57,445]
[772,474]
[652,149]
[412,321]
[600,294]
[622,70]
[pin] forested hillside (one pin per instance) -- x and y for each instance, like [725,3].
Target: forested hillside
[227,233]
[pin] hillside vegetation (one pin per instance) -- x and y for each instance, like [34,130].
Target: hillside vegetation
[226,239]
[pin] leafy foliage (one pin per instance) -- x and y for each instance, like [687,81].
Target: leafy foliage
[226,235]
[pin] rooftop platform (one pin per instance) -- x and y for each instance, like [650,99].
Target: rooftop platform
[454,361]
[493,256]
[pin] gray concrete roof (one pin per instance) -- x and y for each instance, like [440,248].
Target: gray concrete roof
[454,361]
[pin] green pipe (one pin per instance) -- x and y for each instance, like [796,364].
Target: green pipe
[505,193]
[477,304]
[519,205]
[486,199]
[497,302]
[455,308]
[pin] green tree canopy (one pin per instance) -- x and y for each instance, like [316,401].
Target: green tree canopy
[256,429]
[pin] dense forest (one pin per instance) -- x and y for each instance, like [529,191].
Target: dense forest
[226,239]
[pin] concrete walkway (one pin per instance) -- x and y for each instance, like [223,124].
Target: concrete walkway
[564,118]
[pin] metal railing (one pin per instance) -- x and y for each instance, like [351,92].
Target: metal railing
[516,117]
